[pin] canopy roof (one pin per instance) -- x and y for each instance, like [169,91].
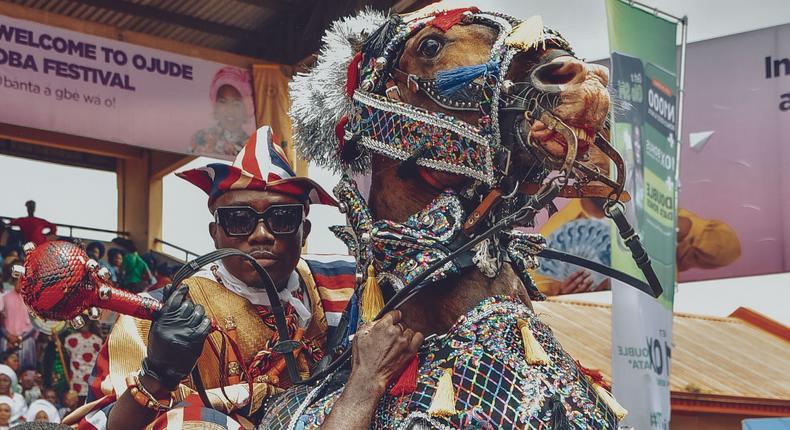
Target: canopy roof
[741,359]
[245,27]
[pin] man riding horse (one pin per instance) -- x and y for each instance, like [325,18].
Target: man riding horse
[467,123]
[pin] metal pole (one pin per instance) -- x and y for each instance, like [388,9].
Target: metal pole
[655,11]
[679,129]
[681,96]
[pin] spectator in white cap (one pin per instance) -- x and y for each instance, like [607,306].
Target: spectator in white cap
[42,411]
[8,383]
[6,405]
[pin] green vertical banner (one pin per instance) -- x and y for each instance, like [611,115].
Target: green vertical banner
[643,79]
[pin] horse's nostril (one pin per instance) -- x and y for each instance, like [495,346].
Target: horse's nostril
[555,73]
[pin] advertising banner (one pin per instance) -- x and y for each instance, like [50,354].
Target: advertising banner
[734,190]
[69,82]
[735,183]
[643,79]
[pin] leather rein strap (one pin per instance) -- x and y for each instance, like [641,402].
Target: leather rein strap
[285,346]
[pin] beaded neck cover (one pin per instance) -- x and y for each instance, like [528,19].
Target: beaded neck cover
[494,386]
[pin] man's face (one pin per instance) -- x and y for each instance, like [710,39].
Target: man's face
[13,360]
[117,260]
[279,254]
[51,396]
[28,379]
[71,399]
[93,253]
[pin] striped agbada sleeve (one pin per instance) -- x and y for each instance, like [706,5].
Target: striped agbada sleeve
[334,278]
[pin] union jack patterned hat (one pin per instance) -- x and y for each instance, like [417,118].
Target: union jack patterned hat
[261,165]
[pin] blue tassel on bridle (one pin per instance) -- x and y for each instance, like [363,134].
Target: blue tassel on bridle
[450,81]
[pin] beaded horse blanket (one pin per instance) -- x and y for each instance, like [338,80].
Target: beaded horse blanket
[498,367]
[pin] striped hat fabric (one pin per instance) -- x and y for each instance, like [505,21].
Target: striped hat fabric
[262,166]
[194,417]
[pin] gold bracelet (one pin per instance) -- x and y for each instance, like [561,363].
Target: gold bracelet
[144,397]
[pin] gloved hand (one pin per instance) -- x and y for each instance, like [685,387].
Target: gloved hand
[176,338]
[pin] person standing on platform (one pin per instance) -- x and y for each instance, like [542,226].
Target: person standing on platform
[115,258]
[33,227]
[17,328]
[134,277]
[83,347]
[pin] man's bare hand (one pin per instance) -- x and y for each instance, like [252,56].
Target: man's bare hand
[579,281]
[382,349]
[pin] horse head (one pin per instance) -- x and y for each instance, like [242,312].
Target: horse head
[478,104]
[546,72]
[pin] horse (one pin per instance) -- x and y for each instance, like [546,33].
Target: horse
[457,116]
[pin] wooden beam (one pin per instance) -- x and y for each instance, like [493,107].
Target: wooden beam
[299,31]
[278,6]
[403,6]
[70,142]
[399,6]
[61,156]
[135,38]
[166,16]
[162,163]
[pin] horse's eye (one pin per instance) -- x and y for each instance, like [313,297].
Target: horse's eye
[430,47]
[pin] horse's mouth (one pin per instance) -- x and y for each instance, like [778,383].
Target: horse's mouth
[554,142]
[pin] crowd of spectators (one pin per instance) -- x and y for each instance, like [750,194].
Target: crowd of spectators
[45,366]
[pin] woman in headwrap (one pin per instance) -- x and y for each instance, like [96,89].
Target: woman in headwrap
[42,411]
[6,405]
[7,388]
[231,97]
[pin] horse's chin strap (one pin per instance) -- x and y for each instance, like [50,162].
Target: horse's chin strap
[614,210]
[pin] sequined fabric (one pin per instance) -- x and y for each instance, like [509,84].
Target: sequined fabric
[406,250]
[494,386]
[443,142]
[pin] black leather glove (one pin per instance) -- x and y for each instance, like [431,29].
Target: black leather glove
[176,338]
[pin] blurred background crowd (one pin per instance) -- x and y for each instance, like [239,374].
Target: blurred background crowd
[45,366]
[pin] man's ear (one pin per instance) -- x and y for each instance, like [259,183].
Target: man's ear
[306,227]
[213,230]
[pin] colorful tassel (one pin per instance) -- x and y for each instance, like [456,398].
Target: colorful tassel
[372,299]
[450,81]
[407,381]
[527,35]
[443,402]
[533,351]
[619,411]
[447,19]
[352,75]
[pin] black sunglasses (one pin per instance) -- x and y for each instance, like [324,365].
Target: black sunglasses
[280,220]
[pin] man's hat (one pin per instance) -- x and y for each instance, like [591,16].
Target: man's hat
[262,166]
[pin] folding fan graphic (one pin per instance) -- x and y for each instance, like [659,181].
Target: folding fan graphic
[586,238]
